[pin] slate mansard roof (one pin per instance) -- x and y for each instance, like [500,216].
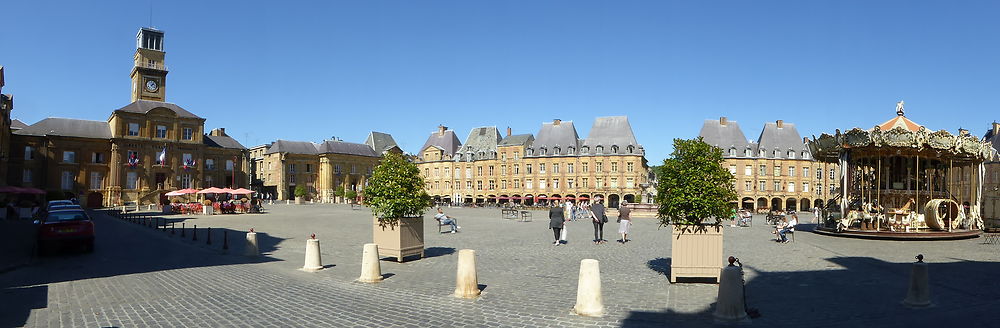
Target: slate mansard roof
[380,142]
[778,138]
[775,140]
[445,140]
[992,137]
[611,132]
[67,127]
[16,124]
[481,144]
[331,147]
[555,138]
[144,106]
[524,140]
[222,142]
[726,134]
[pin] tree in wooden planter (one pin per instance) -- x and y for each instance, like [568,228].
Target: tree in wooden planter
[396,195]
[300,193]
[351,196]
[694,193]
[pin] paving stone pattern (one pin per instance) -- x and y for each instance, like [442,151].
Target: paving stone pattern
[141,277]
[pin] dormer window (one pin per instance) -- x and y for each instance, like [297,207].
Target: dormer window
[748,153]
[732,152]
[775,154]
[599,149]
[791,154]
[805,155]
[614,149]
[584,150]
[570,150]
[631,149]
[531,151]
[542,151]
[555,151]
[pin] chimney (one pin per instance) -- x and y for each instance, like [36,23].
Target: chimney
[508,131]
[781,124]
[220,132]
[805,140]
[441,129]
[556,121]
[996,128]
[723,121]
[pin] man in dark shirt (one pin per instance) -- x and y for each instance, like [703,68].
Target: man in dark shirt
[598,216]
[556,221]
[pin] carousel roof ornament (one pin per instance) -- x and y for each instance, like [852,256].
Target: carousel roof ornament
[901,133]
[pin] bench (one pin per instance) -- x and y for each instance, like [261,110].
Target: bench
[525,216]
[508,214]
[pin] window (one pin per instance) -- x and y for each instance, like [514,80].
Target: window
[569,168]
[468,172]
[748,170]
[763,170]
[527,168]
[309,169]
[493,184]
[468,185]
[732,169]
[354,169]
[503,184]
[763,186]
[69,157]
[133,129]
[130,180]
[291,180]
[832,174]
[516,155]
[583,182]
[777,171]
[517,183]
[791,187]
[585,167]
[210,164]
[747,153]
[161,131]
[599,183]
[491,170]
[732,152]
[555,184]
[791,171]
[819,189]
[805,187]
[67,180]
[503,156]
[479,185]
[791,154]
[97,158]
[614,182]
[631,167]
[819,174]
[746,186]
[188,133]
[805,172]
[599,166]
[29,152]
[229,166]
[517,169]
[479,171]
[630,183]
[614,167]
[527,184]
[555,168]
[26,177]
[777,186]
[832,189]
[541,168]
[187,159]
[186,181]
[503,169]
[541,183]
[805,155]
[569,183]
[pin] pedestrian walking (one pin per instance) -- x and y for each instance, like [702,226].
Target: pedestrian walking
[556,222]
[624,221]
[598,216]
[568,210]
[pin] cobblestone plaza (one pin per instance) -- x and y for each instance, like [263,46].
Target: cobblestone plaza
[139,276]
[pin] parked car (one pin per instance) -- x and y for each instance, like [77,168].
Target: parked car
[58,203]
[68,227]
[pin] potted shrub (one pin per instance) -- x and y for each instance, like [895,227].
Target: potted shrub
[396,195]
[300,193]
[694,194]
[351,196]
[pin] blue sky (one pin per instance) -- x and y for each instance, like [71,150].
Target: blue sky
[302,70]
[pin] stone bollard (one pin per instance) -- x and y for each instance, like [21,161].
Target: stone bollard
[182,229]
[288,202]
[729,307]
[919,295]
[313,260]
[251,248]
[371,269]
[208,236]
[466,279]
[589,301]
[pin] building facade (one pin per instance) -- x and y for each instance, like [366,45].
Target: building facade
[6,106]
[775,172]
[143,150]
[991,180]
[527,169]
[327,170]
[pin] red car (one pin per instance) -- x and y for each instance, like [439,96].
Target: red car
[60,228]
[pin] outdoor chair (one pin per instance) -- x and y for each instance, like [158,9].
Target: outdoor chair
[440,224]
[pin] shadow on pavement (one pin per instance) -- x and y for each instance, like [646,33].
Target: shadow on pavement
[856,291]
[125,246]
[438,251]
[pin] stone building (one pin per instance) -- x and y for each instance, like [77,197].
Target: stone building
[991,183]
[6,105]
[774,172]
[143,150]
[322,168]
[525,169]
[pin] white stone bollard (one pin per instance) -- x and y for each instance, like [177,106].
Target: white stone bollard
[589,301]
[288,202]
[251,248]
[371,269]
[919,294]
[729,307]
[313,260]
[466,279]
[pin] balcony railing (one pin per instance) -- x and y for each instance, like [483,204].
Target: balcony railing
[159,66]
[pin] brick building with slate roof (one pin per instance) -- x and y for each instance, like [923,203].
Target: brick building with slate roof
[142,151]
[776,171]
[322,168]
[554,165]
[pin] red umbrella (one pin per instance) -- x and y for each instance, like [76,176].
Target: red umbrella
[241,191]
[212,190]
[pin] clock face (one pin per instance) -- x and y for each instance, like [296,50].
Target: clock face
[151,85]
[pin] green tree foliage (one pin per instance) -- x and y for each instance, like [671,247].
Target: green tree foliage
[300,191]
[350,194]
[693,185]
[396,190]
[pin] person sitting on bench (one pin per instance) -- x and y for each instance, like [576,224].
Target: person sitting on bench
[788,227]
[444,219]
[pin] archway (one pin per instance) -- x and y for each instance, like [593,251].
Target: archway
[804,204]
[630,198]
[529,199]
[761,203]
[791,204]
[747,203]
[776,204]
[613,200]
[818,203]
[95,200]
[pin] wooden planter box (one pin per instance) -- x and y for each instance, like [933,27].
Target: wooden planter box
[402,240]
[298,200]
[696,252]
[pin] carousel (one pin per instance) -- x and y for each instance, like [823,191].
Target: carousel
[900,181]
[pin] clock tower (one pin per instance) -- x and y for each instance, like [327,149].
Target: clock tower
[149,75]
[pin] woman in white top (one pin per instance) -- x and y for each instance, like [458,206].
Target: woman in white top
[624,221]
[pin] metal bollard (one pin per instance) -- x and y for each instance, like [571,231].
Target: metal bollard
[225,239]
[208,240]
[172,228]
[164,224]
[194,233]
[182,229]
